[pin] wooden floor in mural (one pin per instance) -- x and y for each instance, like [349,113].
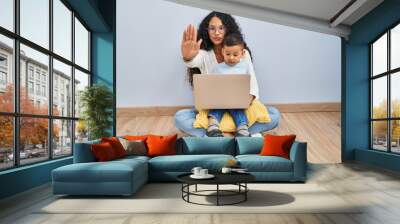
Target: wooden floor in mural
[321,131]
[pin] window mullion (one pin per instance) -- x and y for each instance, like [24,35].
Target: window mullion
[16,83]
[389,101]
[50,81]
[73,82]
[371,142]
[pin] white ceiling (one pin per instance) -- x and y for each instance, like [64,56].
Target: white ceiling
[315,15]
[319,9]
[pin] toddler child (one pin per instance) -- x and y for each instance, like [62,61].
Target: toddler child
[233,51]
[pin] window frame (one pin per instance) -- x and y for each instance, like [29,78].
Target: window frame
[3,74]
[5,59]
[16,114]
[388,74]
[3,70]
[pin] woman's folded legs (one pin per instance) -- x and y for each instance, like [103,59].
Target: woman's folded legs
[185,118]
[275,116]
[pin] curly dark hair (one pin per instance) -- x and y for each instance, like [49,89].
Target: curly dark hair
[231,27]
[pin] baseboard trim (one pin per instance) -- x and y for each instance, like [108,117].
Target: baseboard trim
[171,110]
[149,111]
[308,107]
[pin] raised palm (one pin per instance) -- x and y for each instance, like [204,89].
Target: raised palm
[190,46]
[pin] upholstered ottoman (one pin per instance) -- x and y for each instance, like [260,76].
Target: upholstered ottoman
[119,177]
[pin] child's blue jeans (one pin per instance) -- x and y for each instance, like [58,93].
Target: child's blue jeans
[238,115]
[184,119]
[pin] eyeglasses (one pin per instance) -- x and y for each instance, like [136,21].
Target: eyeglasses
[213,29]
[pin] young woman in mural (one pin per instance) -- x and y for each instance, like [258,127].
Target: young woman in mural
[202,52]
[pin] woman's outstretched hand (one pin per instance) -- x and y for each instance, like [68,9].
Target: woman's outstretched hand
[190,46]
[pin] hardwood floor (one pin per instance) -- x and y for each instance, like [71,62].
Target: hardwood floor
[376,189]
[321,131]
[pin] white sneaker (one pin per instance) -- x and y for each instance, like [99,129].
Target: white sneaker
[256,135]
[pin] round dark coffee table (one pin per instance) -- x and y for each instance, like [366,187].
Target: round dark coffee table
[238,179]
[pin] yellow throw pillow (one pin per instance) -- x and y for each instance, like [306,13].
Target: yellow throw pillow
[257,112]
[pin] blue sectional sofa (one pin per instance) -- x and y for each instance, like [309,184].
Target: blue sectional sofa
[125,176]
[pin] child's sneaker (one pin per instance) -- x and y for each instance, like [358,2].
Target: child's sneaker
[213,128]
[242,131]
[214,133]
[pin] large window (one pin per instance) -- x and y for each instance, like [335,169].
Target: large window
[385,91]
[44,64]
[81,45]
[34,21]
[7,14]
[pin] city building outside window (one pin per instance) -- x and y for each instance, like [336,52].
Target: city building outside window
[44,77]
[37,75]
[38,89]
[3,78]
[30,72]
[3,71]
[30,87]
[3,61]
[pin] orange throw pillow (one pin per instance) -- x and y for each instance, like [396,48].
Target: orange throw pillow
[161,145]
[277,145]
[103,152]
[135,137]
[116,145]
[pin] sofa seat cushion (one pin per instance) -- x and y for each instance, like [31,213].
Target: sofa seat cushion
[112,171]
[185,163]
[133,158]
[257,163]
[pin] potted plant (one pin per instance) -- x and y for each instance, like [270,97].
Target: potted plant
[96,102]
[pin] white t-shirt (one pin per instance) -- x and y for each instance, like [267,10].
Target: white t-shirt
[242,67]
[206,61]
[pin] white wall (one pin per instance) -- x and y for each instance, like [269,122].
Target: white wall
[291,65]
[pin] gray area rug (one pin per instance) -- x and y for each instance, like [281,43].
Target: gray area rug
[166,198]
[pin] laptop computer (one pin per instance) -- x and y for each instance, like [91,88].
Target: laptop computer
[221,91]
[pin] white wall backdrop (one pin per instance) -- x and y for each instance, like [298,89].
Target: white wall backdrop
[291,65]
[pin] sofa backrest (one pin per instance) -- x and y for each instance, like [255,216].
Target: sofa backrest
[249,145]
[83,152]
[187,146]
[206,145]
